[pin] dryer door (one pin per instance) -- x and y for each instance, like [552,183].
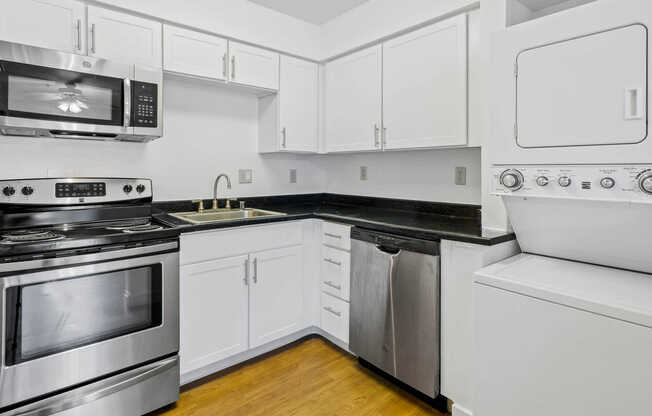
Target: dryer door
[587,91]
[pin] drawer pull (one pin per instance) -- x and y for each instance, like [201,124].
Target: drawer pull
[333,235]
[333,311]
[333,285]
[331,261]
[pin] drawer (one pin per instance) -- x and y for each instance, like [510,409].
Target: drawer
[336,235]
[335,272]
[335,317]
[228,242]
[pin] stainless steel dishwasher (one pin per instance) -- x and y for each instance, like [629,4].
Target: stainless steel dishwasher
[395,312]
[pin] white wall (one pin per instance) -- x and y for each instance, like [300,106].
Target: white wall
[422,175]
[238,19]
[208,130]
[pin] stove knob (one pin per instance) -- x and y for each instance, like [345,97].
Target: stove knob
[9,190]
[542,181]
[607,183]
[140,188]
[27,190]
[564,181]
[128,189]
[512,179]
[645,182]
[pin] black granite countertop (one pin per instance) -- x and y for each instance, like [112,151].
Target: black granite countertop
[418,219]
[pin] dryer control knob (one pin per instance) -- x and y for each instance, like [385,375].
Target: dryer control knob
[564,181]
[645,182]
[512,179]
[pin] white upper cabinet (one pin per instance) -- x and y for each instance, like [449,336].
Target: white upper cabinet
[122,37]
[276,295]
[353,102]
[254,67]
[193,53]
[52,24]
[299,105]
[425,87]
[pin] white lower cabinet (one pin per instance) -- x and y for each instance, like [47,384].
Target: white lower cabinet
[335,317]
[275,295]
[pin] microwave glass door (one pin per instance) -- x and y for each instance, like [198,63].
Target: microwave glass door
[588,91]
[37,92]
[47,318]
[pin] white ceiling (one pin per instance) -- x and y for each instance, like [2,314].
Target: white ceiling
[313,11]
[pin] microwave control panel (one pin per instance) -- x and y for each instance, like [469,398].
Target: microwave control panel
[144,104]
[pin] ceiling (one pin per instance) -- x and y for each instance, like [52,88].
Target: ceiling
[312,11]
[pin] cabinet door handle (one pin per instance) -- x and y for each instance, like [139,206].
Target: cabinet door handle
[93,37]
[246,274]
[384,136]
[284,133]
[333,285]
[255,277]
[225,71]
[233,67]
[376,135]
[333,235]
[333,311]
[79,35]
[331,261]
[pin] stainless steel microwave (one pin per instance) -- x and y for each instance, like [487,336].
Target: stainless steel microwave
[49,93]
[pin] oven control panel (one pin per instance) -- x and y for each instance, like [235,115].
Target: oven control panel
[144,112]
[73,191]
[599,182]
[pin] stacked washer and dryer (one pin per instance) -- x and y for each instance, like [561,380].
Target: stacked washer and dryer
[565,328]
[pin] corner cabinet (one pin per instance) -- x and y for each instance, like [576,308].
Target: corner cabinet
[52,24]
[353,102]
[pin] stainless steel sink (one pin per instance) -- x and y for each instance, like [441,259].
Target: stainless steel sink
[218,215]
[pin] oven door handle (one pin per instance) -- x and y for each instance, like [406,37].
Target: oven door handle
[96,391]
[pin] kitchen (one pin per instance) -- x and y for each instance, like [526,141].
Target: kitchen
[300,181]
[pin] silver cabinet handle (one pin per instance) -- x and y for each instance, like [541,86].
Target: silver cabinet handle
[333,235]
[284,133]
[333,311]
[376,135]
[333,285]
[384,136]
[93,37]
[255,277]
[225,60]
[246,274]
[127,101]
[79,35]
[233,67]
[331,261]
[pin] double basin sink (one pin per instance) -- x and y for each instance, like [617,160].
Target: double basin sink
[219,215]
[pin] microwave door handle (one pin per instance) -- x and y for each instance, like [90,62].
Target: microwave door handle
[127,102]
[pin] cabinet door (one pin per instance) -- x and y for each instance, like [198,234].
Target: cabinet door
[194,53]
[122,37]
[52,24]
[353,102]
[424,87]
[276,296]
[253,66]
[299,105]
[214,311]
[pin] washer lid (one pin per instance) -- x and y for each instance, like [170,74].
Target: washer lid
[615,293]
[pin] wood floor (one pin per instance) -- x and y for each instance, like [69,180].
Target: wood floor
[312,378]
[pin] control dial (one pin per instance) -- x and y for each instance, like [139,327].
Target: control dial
[127,189]
[512,179]
[9,190]
[542,181]
[645,182]
[27,190]
[607,183]
[140,188]
[564,181]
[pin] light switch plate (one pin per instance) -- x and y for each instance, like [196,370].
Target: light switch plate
[460,175]
[363,173]
[293,176]
[245,176]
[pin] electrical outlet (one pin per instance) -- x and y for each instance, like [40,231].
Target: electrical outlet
[293,176]
[245,176]
[363,173]
[460,175]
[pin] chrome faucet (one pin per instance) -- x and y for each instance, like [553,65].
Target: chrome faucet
[228,186]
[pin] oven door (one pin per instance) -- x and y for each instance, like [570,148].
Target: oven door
[45,92]
[71,324]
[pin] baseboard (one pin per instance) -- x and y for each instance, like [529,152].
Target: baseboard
[460,411]
[211,369]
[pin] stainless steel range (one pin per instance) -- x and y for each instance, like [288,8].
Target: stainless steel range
[89,306]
